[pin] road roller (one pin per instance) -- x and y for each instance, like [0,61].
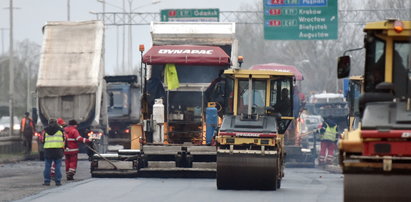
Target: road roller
[250,141]
[375,156]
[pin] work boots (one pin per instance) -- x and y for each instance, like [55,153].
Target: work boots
[70,176]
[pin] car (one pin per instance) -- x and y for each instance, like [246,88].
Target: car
[5,125]
[311,123]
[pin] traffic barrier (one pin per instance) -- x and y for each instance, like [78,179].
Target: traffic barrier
[11,145]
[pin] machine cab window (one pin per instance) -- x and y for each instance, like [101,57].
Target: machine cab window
[117,99]
[375,63]
[257,93]
[401,67]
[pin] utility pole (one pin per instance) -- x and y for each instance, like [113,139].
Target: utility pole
[124,39]
[68,10]
[130,38]
[28,87]
[104,36]
[11,71]
[117,47]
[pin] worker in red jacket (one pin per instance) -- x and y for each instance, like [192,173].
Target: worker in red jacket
[72,149]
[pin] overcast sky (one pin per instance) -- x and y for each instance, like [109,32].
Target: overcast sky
[31,15]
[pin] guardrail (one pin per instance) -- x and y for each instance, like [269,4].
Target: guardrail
[11,145]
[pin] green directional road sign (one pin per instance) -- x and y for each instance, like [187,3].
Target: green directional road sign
[190,15]
[300,19]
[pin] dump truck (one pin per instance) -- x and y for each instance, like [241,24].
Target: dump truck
[331,106]
[250,141]
[123,109]
[376,159]
[70,82]
[185,58]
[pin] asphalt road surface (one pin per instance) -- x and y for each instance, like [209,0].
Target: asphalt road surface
[25,178]
[299,184]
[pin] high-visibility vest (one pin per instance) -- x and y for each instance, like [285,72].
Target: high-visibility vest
[24,126]
[54,141]
[330,133]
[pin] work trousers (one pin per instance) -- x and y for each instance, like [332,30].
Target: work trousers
[327,152]
[27,139]
[47,168]
[71,163]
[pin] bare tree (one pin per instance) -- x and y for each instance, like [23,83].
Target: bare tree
[26,56]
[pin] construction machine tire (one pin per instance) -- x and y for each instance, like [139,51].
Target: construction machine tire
[279,172]
[278,184]
[341,157]
[247,171]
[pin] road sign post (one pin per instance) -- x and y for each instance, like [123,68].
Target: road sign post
[300,19]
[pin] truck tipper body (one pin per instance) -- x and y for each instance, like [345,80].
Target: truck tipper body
[70,82]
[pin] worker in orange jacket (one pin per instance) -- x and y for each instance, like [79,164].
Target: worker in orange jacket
[72,149]
[27,129]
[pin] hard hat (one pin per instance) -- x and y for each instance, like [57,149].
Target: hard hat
[61,122]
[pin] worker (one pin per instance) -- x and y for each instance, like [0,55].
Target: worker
[62,124]
[53,151]
[27,131]
[328,138]
[72,149]
[283,106]
[216,92]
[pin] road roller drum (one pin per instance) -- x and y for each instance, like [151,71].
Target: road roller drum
[247,171]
